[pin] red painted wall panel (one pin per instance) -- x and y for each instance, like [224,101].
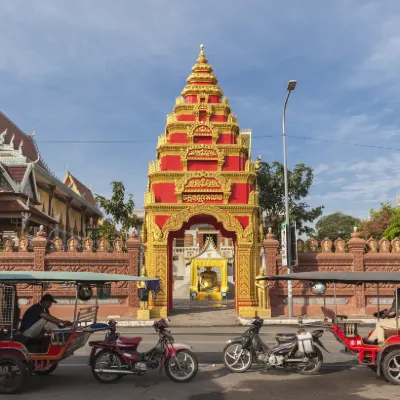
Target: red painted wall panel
[202,139]
[226,138]
[171,163]
[186,117]
[240,193]
[178,138]
[234,163]
[218,118]
[202,165]
[164,192]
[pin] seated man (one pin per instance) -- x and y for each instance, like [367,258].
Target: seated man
[387,321]
[37,318]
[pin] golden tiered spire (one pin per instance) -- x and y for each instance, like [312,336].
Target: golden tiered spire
[203,75]
[202,57]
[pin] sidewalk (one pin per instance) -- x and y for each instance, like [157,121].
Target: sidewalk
[223,318]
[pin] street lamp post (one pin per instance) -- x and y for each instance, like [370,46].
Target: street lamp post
[291,86]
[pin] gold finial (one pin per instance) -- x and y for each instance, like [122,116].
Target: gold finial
[202,58]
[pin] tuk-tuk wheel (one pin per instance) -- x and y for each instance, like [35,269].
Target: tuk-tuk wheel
[13,374]
[46,371]
[391,367]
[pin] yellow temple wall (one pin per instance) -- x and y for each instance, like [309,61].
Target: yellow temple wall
[74,216]
[44,199]
[59,208]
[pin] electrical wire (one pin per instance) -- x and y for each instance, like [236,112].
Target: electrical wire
[254,137]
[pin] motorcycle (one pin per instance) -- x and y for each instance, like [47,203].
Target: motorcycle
[117,356]
[296,350]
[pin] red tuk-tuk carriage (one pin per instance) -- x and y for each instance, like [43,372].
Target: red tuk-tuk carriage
[21,356]
[384,358]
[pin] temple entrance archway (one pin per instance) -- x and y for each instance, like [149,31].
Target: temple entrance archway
[159,240]
[183,282]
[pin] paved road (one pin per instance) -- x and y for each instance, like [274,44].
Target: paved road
[340,377]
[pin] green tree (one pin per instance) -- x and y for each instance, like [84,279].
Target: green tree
[271,186]
[393,230]
[336,225]
[120,213]
[378,221]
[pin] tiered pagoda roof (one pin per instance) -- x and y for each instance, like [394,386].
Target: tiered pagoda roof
[202,148]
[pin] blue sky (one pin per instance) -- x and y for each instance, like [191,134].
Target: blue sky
[100,70]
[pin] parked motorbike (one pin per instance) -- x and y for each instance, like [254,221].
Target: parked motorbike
[296,350]
[117,356]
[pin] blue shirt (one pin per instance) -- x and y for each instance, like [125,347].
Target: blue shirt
[32,315]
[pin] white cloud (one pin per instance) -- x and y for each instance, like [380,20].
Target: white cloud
[361,181]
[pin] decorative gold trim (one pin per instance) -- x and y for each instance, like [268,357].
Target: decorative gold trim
[202,152]
[213,90]
[202,77]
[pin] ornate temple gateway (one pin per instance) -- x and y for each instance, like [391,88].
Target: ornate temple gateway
[202,175]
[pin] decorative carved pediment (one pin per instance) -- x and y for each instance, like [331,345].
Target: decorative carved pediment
[203,186]
[326,245]
[87,244]
[339,245]
[202,129]
[72,245]
[300,246]
[202,152]
[312,245]
[102,245]
[396,245]
[372,245]
[384,246]
[23,244]
[203,107]
[117,245]
[57,244]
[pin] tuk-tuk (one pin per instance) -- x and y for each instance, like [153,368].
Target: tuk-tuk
[384,358]
[21,356]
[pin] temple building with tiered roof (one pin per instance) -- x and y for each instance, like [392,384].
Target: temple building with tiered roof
[31,195]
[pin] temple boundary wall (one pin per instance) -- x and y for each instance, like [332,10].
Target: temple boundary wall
[39,254]
[356,254]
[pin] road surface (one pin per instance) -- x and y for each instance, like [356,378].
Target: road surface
[341,378]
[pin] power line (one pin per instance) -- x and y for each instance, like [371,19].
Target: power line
[254,137]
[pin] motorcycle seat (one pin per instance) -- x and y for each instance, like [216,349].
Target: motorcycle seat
[130,341]
[285,337]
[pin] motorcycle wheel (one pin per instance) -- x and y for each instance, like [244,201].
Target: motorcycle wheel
[314,366]
[188,361]
[13,375]
[232,360]
[44,372]
[107,359]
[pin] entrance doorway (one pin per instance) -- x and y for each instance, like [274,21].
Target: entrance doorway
[194,235]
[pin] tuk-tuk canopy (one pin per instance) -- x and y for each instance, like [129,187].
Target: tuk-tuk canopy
[339,277]
[38,277]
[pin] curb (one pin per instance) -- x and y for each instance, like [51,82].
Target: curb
[239,322]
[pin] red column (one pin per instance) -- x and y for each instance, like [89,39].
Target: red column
[356,246]
[39,244]
[133,246]
[271,246]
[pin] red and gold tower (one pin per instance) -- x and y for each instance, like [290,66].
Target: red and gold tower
[202,174]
